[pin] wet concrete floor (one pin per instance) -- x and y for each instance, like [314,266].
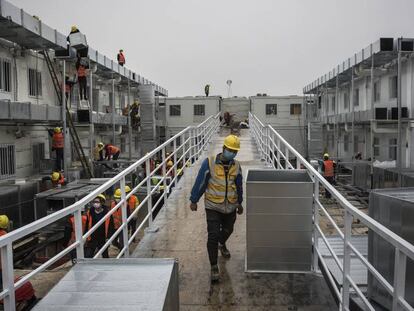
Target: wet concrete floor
[182,234]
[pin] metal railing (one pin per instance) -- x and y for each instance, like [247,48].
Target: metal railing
[278,153]
[187,146]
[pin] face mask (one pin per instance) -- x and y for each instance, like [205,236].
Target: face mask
[228,155]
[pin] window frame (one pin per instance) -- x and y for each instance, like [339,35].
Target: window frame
[268,108]
[377,91]
[36,88]
[293,110]
[198,113]
[393,91]
[171,109]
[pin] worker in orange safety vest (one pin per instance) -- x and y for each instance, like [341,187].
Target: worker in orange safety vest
[328,169]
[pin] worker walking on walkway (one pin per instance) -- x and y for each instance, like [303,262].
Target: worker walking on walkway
[133,203]
[220,179]
[121,57]
[58,143]
[98,238]
[328,169]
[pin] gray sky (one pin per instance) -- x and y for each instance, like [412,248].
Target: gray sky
[264,46]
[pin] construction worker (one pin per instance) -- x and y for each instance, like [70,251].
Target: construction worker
[111,152]
[328,169]
[227,118]
[133,203]
[207,89]
[117,217]
[134,113]
[58,143]
[70,230]
[220,179]
[81,69]
[58,180]
[4,224]
[170,165]
[98,238]
[121,57]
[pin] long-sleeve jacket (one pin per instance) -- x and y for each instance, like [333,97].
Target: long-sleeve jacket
[203,179]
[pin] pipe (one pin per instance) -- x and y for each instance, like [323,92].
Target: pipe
[399,136]
[91,124]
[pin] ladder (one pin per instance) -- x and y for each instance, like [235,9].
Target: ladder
[72,129]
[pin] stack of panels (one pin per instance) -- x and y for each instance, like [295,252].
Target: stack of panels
[147,99]
[279,221]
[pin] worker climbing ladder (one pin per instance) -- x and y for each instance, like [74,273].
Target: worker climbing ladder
[72,129]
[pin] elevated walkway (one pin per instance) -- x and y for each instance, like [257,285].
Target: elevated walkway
[182,234]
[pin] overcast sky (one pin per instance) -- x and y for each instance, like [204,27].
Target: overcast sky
[263,46]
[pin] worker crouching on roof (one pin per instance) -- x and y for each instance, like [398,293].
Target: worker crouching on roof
[220,179]
[111,152]
[57,178]
[328,169]
[98,238]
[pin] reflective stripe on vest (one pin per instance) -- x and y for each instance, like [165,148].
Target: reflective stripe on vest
[216,188]
[81,71]
[329,168]
[57,140]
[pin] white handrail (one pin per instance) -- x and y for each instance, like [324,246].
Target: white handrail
[271,143]
[188,146]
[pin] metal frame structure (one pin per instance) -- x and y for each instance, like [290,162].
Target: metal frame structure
[194,141]
[273,149]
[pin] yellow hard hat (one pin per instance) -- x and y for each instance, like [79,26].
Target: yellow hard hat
[102,197]
[101,145]
[73,28]
[57,130]
[117,194]
[55,176]
[4,222]
[127,189]
[232,142]
[326,155]
[170,163]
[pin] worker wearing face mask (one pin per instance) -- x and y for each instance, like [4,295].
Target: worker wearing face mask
[220,180]
[98,238]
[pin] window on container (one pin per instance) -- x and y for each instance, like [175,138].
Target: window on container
[295,109]
[199,110]
[392,151]
[346,100]
[38,154]
[356,97]
[175,110]
[6,76]
[356,145]
[35,83]
[7,161]
[393,83]
[271,109]
[377,91]
[346,142]
[376,147]
[319,102]
[333,99]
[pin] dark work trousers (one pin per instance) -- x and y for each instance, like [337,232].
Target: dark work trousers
[82,88]
[115,157]
[219,227]
[59,159]
[331,180]
[93,246]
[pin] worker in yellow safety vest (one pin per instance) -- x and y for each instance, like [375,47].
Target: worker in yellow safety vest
[220,180]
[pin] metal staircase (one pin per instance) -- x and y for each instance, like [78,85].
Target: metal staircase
[72,129]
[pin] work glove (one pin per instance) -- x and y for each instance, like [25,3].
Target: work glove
[239,209]
[193,206]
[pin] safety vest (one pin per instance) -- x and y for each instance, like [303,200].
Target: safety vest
[3,232]
[57,141]
[111,150]
[329,168]
[72,222]
[155,181]
[81,71]
[133,202]
[121,58]
[221,187]
[90,225]
[117,215]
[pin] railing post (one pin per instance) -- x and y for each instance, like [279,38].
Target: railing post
[347,260]
[175,162]
[124,216]
[315,222]
[278,153]
[164,174]
[197,143]
[287,162]
[149,201]
[400,266]
[79,233]
[191,136]
[8,276]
